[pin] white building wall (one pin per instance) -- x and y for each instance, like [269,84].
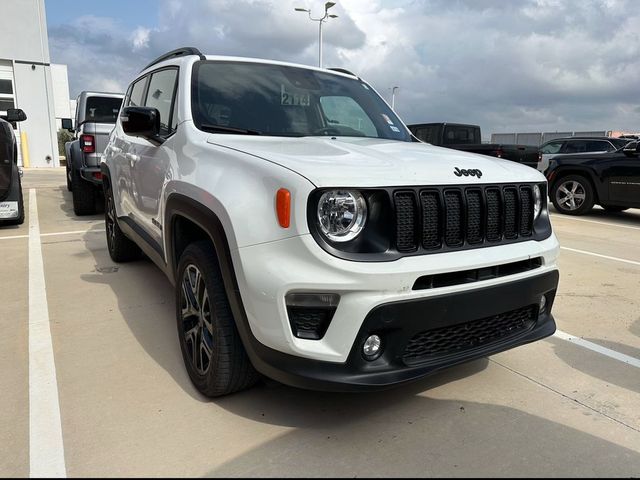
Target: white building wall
[24,45]
[60,93]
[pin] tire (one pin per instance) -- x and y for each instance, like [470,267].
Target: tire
[84,194]
[121,249]
[573,195]
[614,209]
[206,325]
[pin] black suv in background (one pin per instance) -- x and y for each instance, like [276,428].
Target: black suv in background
[577,146]
[578,182]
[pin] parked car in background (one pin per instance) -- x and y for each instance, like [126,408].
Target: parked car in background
[309,238]
[468,138]
[96,115]
[577,146]
[612,179]
[11,201]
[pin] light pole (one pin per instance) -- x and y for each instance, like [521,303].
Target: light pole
[393,97]
[320,20]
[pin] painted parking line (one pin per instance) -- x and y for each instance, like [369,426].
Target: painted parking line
[46,449]
[54,234]
[608,224]
[634,362]
[608,257]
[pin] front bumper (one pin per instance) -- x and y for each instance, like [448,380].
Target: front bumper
[399,322]
[372,291]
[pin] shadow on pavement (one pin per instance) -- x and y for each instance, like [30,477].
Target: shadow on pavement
[598,366]
[399,434]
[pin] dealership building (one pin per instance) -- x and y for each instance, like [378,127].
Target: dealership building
[29,81]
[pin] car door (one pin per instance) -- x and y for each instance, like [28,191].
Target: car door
[119,150]
[150,161]
[623,178]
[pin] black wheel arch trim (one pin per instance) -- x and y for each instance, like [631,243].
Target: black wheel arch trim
[181,205]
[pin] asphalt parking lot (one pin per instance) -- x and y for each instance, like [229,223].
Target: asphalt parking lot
[564,406]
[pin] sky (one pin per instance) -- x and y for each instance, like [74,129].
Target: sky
[506,65]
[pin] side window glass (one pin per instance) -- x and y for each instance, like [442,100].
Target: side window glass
[576,146]
[598,146]
[137,90]
[160,96]
[553,147]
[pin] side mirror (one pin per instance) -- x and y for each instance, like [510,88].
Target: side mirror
[16,115]
[67,124]
[141,122]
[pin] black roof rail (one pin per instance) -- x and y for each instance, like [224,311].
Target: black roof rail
[178,52]
[343,70]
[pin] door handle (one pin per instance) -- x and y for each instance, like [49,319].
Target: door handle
[132,157]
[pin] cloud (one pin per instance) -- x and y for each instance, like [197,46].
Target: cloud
[505,65]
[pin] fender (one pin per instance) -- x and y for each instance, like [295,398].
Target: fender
[75,154]
[561,170]
[179,205]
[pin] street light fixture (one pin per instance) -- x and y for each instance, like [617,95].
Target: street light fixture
[393,97]
[320,21]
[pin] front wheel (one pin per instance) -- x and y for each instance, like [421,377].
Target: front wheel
[213,353]
[121,248]
[573,195]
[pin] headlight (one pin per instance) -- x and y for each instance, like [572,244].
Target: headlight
[537,202]
[342,214]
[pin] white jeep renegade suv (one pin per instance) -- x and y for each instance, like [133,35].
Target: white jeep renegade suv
[310,237]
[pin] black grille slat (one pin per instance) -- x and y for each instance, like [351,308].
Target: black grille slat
[494,214]
[455,339]
[510,212]
[474,216]
[526,211]
[453,218]
[431,219]
[406,219]
[431,231]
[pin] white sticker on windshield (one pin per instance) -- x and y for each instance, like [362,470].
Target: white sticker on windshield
[387,119]
[294,98]
[394,128]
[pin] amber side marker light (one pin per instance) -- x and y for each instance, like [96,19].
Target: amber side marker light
[283,207]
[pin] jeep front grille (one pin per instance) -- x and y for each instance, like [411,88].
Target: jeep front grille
[452,218]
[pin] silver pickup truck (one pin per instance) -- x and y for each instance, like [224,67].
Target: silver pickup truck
[96,115]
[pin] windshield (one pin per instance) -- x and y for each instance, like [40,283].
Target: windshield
[263,99]
[102,109]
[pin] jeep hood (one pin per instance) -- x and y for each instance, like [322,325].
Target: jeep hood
[368,162]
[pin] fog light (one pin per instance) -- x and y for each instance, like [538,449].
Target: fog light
[543,303]
[372,347]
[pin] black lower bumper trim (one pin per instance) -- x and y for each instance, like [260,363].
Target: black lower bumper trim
[398,322]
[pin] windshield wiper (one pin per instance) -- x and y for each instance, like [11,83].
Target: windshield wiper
[224,129]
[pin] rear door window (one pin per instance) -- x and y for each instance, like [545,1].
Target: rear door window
[460,135]
[598,146]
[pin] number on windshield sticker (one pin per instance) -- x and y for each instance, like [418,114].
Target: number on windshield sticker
[290,98]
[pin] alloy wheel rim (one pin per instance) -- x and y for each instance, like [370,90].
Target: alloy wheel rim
[197,326]
[571,195]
